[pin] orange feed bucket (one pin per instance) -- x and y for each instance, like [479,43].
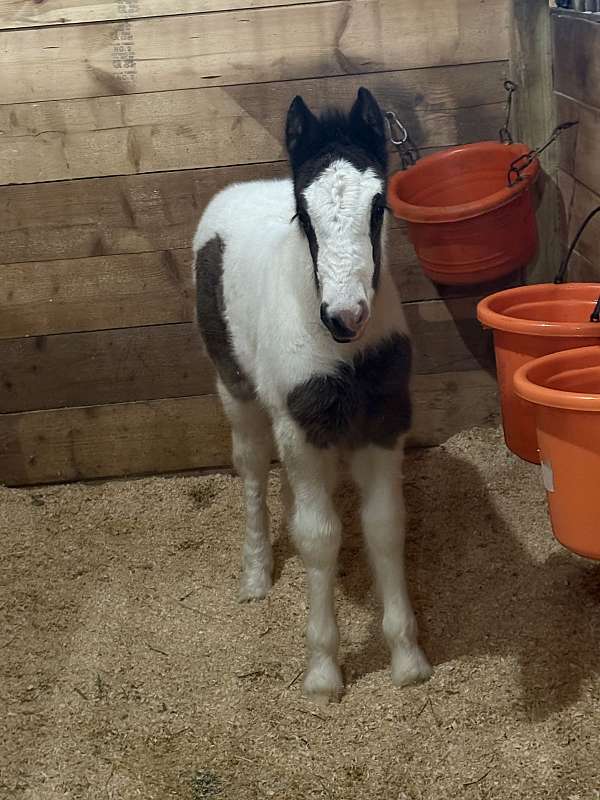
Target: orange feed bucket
[564,389]
[529,322]
[467,224]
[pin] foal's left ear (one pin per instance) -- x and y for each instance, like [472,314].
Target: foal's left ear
[367,120]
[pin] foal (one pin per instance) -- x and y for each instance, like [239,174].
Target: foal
[302,321]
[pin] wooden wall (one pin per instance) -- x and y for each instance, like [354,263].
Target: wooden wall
[535,117]
[118,121]
[576,51]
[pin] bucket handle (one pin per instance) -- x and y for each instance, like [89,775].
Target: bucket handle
[522,162]
[562,270]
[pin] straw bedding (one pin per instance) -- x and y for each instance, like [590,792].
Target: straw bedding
[129,671]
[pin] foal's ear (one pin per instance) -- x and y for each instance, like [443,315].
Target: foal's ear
[368,123]
[300,131]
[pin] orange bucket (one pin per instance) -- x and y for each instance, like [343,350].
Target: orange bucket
[466,223]
[564,389]
[529,322]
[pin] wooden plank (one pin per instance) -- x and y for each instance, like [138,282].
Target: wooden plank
[103,367]
[587,15]
[91,294]
[233,125]
[95,293]
[109,216]
[112,440]
[33,13]
[447,403]
[583,271]
[576,52]
[579,151]
[577,202]
[126,291]
[535,118]
[259,45]
[447,336]
[151,362]
[192,433]
[580,147]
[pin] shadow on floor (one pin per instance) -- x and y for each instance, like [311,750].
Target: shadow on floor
[476,589]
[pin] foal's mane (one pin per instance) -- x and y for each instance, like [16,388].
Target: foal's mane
[335,126]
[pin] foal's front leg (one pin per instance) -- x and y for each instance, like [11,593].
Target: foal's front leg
[316,530]
[252,446]
[377,472]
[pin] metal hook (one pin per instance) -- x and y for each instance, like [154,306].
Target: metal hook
[505,134]
[390,117]
[400,138]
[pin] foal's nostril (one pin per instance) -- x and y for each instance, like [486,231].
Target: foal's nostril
[341,332]
[345,324]
[354,318]
[347,319]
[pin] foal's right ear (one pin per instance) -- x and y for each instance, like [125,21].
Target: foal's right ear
[300,131]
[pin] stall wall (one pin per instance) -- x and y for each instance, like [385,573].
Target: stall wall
[119,120]
[576,53]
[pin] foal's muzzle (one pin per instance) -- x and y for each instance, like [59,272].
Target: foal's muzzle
[346,324]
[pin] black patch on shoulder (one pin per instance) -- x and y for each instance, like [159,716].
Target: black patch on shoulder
[210,304]
[362,403]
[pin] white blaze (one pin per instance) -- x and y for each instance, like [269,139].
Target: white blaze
[339,204]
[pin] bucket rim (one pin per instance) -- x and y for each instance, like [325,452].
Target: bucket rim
[476,208]
[531,389]
[496,320]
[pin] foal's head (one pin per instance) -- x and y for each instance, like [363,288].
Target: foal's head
[339,163]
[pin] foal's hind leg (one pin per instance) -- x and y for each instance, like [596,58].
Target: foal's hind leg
[252,450]
[377,472]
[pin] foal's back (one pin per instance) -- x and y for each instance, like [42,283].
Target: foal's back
[247,210]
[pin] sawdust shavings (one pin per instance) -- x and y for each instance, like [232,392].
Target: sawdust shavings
[128,670]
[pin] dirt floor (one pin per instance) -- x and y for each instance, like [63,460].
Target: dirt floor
[128,670]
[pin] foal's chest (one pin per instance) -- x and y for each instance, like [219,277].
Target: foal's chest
[360,403]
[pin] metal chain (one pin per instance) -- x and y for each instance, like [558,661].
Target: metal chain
[522,162]
[400,138]
[504,133]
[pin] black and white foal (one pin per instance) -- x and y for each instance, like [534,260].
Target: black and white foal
[308,336]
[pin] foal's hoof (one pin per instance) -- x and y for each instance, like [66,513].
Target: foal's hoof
[410,665]
[254,585]
[324,684]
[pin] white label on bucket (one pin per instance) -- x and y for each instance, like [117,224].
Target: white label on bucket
[547,476]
